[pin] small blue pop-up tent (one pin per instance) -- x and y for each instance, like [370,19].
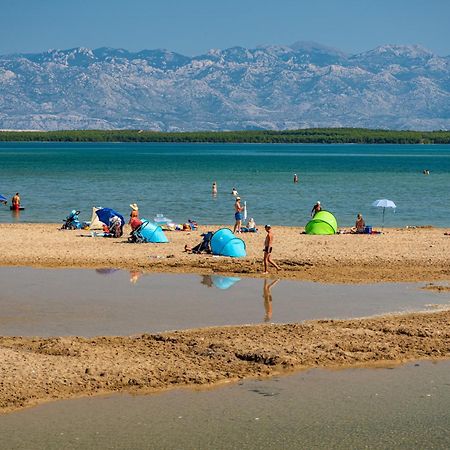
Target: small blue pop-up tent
[3,199]
[150,232]
[225,243]
[105,214]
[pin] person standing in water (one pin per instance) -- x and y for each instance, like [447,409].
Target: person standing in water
[295,178]
[214,188]
[16,202]
[268,246]
[237,215]
[234,192]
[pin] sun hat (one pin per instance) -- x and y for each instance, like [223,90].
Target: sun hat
[238,198]
[267,226]
[318,202]
[134,206]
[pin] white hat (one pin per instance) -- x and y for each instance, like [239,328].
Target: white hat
[134,206]
[238,198]
[318,202]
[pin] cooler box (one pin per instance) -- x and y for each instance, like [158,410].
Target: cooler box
[368,229]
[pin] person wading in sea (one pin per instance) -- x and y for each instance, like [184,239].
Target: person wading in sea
[16,201]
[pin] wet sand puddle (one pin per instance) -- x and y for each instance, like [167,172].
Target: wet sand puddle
[401,407]
[69,302]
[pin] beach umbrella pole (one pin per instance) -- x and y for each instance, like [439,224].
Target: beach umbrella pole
[382,224]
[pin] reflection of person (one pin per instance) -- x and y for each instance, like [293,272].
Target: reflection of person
[207,280]
[267,295]
[134,276]
[268,245]
[16,201]
[315,209]
[237,215]
[214,188]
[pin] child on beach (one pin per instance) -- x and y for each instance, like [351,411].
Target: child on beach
[268,245]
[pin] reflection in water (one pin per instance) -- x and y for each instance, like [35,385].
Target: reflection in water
[106,271]
[218,281]
[134,276]
[15,215]
[267,295]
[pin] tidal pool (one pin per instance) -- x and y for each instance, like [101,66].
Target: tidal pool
[62,302]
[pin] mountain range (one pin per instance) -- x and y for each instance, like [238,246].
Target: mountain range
[270,87]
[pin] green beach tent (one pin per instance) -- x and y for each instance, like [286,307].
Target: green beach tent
[323,222]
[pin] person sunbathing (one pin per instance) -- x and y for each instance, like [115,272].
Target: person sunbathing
[359,224]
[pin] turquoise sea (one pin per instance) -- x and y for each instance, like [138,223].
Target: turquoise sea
[175,180]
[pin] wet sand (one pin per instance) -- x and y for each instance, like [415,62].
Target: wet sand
[414,254]
[36,370]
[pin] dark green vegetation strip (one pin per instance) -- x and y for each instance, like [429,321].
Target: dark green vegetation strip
[307,136]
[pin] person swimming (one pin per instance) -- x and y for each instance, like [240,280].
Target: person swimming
[234,192]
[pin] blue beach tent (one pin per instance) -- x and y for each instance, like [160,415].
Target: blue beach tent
[3,199]
[225,243]
[105,214]
[150,232]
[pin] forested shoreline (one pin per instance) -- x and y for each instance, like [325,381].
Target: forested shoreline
[304,136]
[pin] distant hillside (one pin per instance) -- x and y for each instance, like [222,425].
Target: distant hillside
[305,85]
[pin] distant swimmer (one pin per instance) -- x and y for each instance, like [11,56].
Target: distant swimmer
[234,192]
[15,202]
[426,172]
[295,178]
[214,188]
[316,208]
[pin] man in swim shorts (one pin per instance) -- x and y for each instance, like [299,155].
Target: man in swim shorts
[237,215]
[268,243]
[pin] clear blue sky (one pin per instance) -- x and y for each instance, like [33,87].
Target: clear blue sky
[192,27]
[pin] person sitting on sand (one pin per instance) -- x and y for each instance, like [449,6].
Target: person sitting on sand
[134,221]
[359,224]
[315,209]
[268,245]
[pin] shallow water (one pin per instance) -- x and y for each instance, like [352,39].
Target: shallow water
[45,302]
[176,179]
[406,407]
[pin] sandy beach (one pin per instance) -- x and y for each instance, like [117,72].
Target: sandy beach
[36,370]
[413,254]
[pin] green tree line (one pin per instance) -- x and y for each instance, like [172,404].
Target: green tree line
[307,136]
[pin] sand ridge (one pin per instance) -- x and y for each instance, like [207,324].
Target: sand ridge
[414,254]
[36,370]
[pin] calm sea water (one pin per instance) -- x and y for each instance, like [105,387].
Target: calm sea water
[175,179]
